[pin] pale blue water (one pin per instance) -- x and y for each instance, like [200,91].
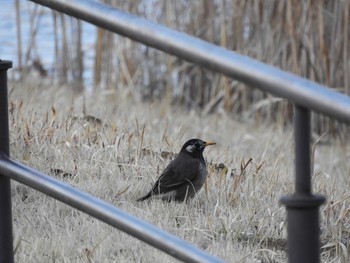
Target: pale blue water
[44,41]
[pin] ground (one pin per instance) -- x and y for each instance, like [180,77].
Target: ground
[114,146]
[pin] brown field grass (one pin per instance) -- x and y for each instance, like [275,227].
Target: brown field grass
[114,146]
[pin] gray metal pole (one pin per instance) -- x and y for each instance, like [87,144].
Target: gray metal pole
[6,242]
[302,129]
[303,206]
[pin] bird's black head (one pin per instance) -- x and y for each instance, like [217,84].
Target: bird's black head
[195,146]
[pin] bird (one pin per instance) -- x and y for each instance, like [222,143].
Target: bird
[184,176]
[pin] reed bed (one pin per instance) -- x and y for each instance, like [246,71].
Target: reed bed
[308,38]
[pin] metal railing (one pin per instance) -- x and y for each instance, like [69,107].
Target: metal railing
[302,206]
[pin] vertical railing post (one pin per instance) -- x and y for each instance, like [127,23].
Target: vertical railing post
[6,242]
[303,207]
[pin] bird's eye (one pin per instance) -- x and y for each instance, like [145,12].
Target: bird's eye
[198,145]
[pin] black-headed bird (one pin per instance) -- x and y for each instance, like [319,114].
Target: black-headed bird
[184,176]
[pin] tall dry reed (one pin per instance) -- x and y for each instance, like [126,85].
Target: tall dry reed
[309,38]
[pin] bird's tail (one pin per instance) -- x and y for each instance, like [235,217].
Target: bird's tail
[145,197]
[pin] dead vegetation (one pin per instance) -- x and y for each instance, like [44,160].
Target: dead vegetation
[309,38]
[113,147]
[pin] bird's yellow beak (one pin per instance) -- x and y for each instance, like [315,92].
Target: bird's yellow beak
[207,143]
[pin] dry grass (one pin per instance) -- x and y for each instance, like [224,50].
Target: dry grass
[118,152]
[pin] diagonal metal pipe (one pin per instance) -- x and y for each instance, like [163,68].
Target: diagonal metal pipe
[107,213]
[267,78]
